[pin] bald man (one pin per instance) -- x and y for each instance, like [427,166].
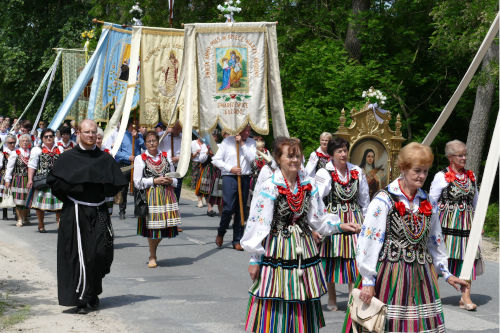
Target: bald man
[82,177]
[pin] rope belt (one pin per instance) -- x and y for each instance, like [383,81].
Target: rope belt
[79,241]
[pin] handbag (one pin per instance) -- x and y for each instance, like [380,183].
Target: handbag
[371,317]
[141,203]
[7,200]
[40,182]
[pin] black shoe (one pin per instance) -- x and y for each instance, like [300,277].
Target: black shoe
[5,214]
[81,309]
[122,215]
[94,303]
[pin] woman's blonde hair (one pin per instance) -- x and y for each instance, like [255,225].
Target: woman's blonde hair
[453,147]
[415,154]
[328,135]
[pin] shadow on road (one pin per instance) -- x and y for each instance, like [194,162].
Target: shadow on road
[121,300]
[479,299]
[184,261]
[118,246]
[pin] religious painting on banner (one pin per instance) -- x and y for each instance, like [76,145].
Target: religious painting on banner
[232,78]
[73,62]
[161,58]
[112,74]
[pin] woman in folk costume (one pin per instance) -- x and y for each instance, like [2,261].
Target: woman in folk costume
[16,177]
[150,169]
[285,264]
[261,159]
[199,154]
[211,183]
[401,252]
[345,192]
[455,191]
[41,161]
[7,149]
[320,157]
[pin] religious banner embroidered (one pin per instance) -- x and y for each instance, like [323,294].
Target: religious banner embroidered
[161,58]
[232,78]
[73,62]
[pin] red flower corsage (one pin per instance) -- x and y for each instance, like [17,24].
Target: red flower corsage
[322,155]
[449,176]
[164,153]
[354,174]
[425,208]
[106,150]
[144,156]
[18,152]
[400,207]
[45,150]
[471,176]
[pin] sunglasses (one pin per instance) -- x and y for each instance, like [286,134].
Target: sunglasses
[48,136]
[10,143]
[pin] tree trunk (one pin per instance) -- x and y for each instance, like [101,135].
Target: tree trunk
[478,125]
[352,43]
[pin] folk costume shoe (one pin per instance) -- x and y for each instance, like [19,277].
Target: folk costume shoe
[237,247]
[467,306]
[219,240]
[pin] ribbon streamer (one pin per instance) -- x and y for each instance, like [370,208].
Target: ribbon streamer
[376,110]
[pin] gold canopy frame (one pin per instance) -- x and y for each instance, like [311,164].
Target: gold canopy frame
[366,131]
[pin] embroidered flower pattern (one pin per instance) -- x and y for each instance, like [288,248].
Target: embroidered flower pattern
[259,206]
[377,212]
[372,233]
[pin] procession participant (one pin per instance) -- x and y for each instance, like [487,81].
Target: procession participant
[150,169]
[82,178]
[41,127]
[400,249]
[455,191]
[98,143]
[345,192]
[257,164]
[41,161]
[7,149]
[285,264]
[211,182]
[226,160]
[320,157]
[199,154]
[16,177]
[66,143]
[173,138]
[125,157]
[4,130]
[110,141]
[26,128]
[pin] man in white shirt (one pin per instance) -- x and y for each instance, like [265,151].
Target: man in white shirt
[225,159]
[174,136]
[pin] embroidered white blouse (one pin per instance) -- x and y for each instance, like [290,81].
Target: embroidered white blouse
[262,209]
[35,155]
[203,155]
[312,162]
[324,182]
[142,183]
[371,238]
[12,161]
[439,184]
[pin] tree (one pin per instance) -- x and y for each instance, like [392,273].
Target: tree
[352,42]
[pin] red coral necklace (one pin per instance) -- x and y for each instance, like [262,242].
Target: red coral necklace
[294,200]
[335,176]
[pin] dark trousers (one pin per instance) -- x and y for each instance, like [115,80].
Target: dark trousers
[124,191]
[230,205]
[177,190]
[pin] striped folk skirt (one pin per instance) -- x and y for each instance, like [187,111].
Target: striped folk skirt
[285,298]
[2,183]
[456,223]
[412,296]
[338,251]
[211,184]
[195,174]
[19,190]
[45,200]
[163,214]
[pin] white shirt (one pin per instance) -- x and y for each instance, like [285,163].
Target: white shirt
[312,162]
[439,184]
[64,146]
[166,145]
[35,155]
[12,162]
[323,180]
[110,141]
[265,173]
[139,181]
[371,238]
[225,158]
[8,151]
[262,210]
[203,155]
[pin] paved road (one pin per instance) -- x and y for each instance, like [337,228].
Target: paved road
[199,288]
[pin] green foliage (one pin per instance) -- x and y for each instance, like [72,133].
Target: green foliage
[491,223]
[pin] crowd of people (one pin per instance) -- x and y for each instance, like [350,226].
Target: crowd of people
[309,226]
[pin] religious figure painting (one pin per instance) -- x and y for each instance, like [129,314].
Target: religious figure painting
[232,64]
[169,75]
[125,61]
[372,158]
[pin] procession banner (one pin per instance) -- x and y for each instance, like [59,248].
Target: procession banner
[109,84]
[161,63]
[73,62]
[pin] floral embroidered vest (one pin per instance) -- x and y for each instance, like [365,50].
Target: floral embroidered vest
[152,169]
[342,197]
[20,168]
[46,163]
[458,192]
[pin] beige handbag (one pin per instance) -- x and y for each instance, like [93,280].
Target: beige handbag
[371,317]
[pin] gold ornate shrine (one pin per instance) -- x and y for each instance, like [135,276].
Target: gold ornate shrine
[374,145]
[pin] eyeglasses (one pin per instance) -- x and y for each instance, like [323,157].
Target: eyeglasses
[10,143]
[48,136]
[89,132]
[460,155]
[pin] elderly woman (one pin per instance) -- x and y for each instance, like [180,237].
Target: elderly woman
[9,144]
[41,161]
[211,183]
[455,191]
[320,157]
[345,192]
[16,177]
[150,169]
[400,250]
[287,272]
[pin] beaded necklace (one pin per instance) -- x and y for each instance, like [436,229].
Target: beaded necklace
[464,183]
[295,201]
